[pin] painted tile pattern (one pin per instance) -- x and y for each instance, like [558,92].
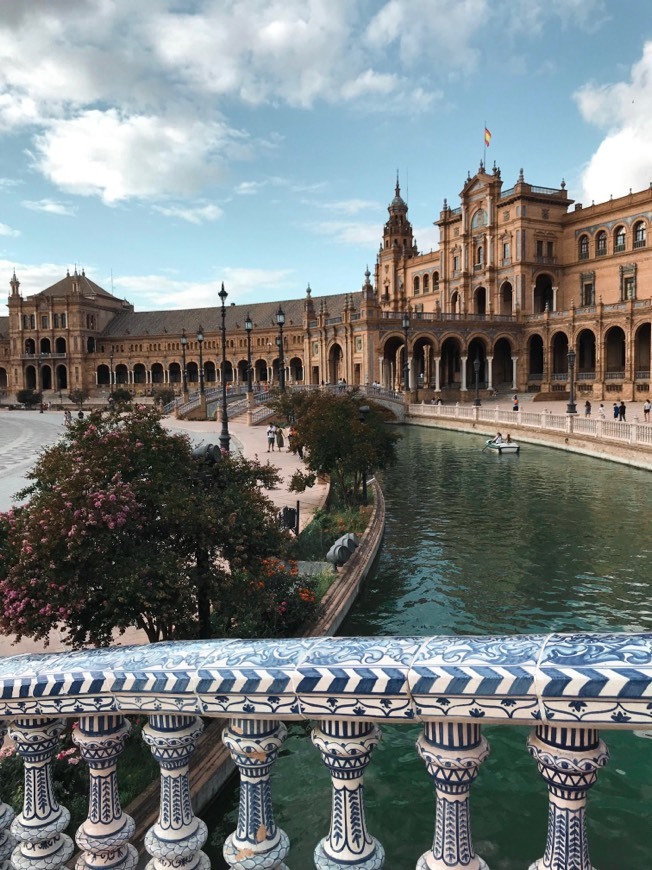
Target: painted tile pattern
[601,679]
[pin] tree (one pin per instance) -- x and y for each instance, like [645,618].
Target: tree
[29,398]
[78,396]
[337,438]
[120,394]
[124,527]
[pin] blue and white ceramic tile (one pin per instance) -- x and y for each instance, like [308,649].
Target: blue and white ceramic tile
[357,677]
[602,679]
[477,677]
[597,678]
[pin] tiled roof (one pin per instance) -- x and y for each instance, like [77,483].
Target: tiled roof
[86,286]
[262,315]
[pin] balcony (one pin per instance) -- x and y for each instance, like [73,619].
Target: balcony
[564,687]
[37,357]
[639,243]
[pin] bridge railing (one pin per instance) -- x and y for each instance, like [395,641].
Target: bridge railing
[635,433]
[564,686]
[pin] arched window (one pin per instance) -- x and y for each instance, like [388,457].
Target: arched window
[619,240]
[435,280]
[639,234]
[426,283]
[584,248]
[601,244]
[479,219]
[479,255]
[416,285]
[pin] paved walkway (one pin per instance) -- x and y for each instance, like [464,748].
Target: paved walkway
[24,433]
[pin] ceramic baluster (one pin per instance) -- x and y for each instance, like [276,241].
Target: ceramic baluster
[453,753]
[38,828]
[104,836]
[257,842]
[346,748]
[568,759]
[178,836]
[7,841]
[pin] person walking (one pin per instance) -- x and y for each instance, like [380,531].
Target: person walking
[279,438]
[601,411]
[647,407]
[271,437]
[587,408]
[616,411]
[515,403]
[621,411]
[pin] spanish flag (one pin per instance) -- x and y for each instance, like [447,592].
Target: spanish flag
[487,137]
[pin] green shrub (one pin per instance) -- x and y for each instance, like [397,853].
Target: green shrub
[325,528]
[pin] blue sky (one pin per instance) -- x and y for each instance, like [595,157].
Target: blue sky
[166,146]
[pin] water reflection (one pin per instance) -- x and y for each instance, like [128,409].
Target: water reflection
[478,544]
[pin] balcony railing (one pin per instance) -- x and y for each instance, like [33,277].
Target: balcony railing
[565,687]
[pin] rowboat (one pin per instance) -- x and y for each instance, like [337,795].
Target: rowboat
[502,446]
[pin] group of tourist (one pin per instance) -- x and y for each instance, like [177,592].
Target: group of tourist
[274,437]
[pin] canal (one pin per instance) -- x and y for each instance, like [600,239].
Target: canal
[485,544]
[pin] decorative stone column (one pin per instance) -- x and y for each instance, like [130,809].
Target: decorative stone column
[38,829]
[7,841]
[437,361]
[514,372]
[104,836]
[453,753]
[257,842]
[346,748]
[463,387]
[490,372]
[178,835]
[568,759]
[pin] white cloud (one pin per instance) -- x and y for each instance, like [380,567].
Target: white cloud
[6,230]
[623,160]
[440,30]
[198,214]
[33,277]
[49,206]
[350,206]
[118,157]
[531,16]
[155,292]
[349,233]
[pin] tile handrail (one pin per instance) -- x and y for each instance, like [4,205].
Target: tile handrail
[565,686]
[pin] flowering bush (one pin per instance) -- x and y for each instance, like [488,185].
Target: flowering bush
[124,527]
[272,602]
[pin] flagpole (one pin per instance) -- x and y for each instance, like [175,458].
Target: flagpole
[484,137]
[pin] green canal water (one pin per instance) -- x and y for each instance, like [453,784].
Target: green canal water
[483,544]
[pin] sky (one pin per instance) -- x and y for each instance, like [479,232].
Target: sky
[167,146]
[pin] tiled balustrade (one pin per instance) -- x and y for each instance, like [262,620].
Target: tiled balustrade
[566,687]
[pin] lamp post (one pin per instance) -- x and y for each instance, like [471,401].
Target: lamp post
[363,411]
[280,321]
[406,367]
[571,408]
[225,438]
[249,326]
[476,369]
[184,370]
[111,371]
[200,339]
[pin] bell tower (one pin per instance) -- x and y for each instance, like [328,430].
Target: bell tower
[398,246]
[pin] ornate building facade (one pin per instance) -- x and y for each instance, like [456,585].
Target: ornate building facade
[521,276]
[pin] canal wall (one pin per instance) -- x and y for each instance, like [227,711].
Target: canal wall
[625,451]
